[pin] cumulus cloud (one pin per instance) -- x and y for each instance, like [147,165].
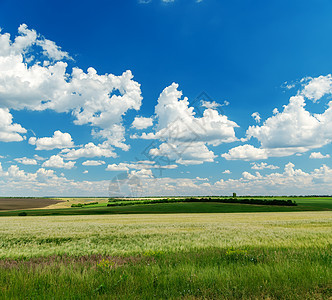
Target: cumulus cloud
[245,152]
[59,140]
[97,100]
[256,117]
[294,130]
[9,131]
[290,181]
[119,167]
[210,104]
[184,153]
[263,165]
[26,161]
[227,172]
[184,136]
[142,123]
[139,165]
[202,179]
[89,150]
[93,163]
[316,88]
[57,161]
[318,155]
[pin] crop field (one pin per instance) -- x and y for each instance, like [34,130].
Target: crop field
[260,255]
[64,206]
[26,203]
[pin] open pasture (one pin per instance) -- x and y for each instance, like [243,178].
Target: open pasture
[174,256]
[65,207]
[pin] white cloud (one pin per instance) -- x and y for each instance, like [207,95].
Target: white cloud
[256,117]
[41,85]
[227,172]
[263,165]
[9,131]
[93,163]
[294,130]
[245,152]
[177,121]
[316,88]
[57,161]
[184,153]
[202,179]
[142,123]
[184,136]
[119,167]
[59,140]
[144,173]
[51,50]
[318,155]
[89,150]
[37,157]
[210,104]
[85,172]
[139,165]
[291,181]
[26,161]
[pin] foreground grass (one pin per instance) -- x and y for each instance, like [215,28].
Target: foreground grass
[223,256]
[271,273]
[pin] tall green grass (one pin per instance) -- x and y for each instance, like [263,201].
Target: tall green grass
[179,256]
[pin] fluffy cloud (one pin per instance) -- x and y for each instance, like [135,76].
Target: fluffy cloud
[89,150]
[9,131]
[227,172]
[142,182]
[263,165]
[245,152]
[256,117]
[294,130]
[140,165]
[316,88]
[26,161]
[185,137]
[184,153]
[93,163]
[290,181]
[119,167]
[142,123]
[59,140]
[97,100]
[57,161]
[318,155]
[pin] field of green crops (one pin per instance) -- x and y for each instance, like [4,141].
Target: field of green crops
[264,255]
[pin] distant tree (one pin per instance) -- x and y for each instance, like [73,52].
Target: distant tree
[234,195]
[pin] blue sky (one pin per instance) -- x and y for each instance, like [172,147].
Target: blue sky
[157,97]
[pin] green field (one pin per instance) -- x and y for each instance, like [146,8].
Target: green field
[168,256]
[304,204]
[188,250]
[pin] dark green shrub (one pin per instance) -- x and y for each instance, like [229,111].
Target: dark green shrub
[77,205]
[22,213]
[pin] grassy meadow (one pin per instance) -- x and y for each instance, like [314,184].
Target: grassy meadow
[64,206]
[262,255]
